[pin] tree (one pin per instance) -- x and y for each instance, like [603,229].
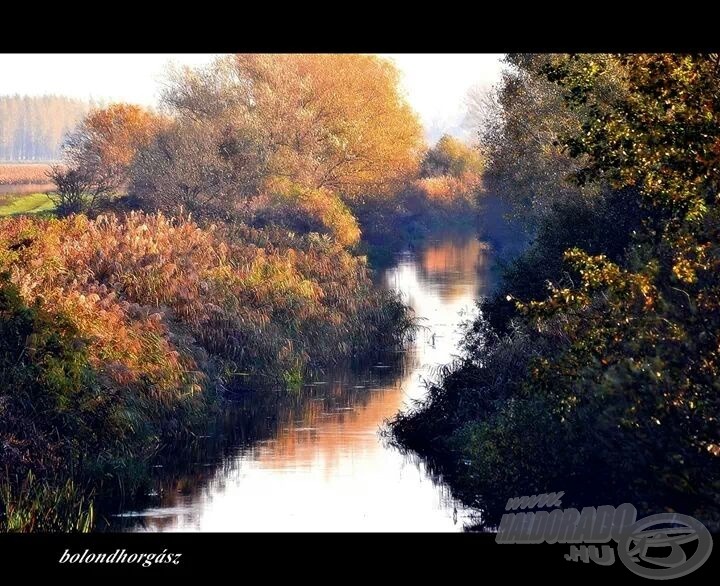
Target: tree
[77,189]
[71,187]
[526,121]
[209,167]
[106,142]
[452,157]
[334,122]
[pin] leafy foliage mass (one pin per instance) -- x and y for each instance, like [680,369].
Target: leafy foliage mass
[250,124]
[98,156]
[595,367]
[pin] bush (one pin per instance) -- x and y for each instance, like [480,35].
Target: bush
[308,210]
[453,158]
[164,300]
[118,333]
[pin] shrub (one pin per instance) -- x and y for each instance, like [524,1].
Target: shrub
[308,210]
[116,333]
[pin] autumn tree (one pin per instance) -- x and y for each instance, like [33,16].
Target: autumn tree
[332,122]
[105,143]
[451,156]
[209,167]
[450,175]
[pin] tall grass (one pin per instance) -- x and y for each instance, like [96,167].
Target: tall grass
[121,332]
[33,505]
[161,298]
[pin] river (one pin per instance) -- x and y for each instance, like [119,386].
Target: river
[316,460]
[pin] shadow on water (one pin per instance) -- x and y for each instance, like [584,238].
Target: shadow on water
[315,460]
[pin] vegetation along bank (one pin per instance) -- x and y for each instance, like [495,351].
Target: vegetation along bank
[594,367]
[194,254]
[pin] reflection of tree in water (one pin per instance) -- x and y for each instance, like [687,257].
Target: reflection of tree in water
[350,401]
[456,267]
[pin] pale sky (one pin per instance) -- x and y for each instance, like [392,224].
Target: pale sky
[435,84]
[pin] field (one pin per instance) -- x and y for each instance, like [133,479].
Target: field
[31,203]
[23,173]
[20,186]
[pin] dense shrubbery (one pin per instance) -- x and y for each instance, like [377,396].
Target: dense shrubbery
[451,157]
[304,211]
[594,368]
[119,332]
[161,297]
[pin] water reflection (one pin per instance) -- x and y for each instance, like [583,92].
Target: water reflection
[315,461]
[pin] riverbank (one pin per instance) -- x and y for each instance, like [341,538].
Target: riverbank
[126,333]
[155,342]
[593,368]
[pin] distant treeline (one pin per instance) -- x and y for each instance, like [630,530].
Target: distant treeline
[32,128]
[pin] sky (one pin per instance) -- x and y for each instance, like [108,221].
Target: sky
[435,84]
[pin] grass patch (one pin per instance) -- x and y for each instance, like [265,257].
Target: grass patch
[31,203]
[35,505]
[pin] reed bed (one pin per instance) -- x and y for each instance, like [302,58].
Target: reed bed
[121,332]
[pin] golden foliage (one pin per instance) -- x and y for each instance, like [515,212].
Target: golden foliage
[155,294]
[450,156]
[309,210]
[114,134]
[448,190]
[334,121]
